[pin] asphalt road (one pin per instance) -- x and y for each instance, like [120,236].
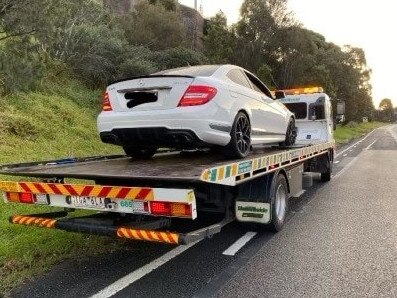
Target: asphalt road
[340,240]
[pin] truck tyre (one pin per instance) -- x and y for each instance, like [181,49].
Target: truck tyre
[140,153]
[290,136]
[277,196]
[240,142]
[326,176]
[279,203]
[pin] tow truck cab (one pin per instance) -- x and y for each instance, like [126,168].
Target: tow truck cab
[313,113]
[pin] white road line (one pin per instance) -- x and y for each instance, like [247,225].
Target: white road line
[344,155]
[236,246]
[340,153]
[141,272]
[370,145]
[346,167]
[336,161]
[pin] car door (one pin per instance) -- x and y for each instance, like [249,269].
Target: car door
[273,113]
[245,97]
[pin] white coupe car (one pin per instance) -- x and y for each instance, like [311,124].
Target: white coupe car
[194,107]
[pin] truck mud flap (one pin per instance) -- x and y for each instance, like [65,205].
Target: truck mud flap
[145,231]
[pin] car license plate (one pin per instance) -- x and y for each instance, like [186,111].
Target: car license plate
[88,202]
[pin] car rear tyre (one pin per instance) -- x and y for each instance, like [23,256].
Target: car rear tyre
[290,136]
[240,143]
[139,152]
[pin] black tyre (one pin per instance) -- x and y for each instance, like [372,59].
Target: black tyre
[290,136]
[326,176]
[140,153]
[240,143]
[279,203]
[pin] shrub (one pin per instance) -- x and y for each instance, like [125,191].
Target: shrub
[178,57]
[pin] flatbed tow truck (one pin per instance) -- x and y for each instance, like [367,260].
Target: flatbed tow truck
[139,199]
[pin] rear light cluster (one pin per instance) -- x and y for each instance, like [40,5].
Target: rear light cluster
[170,209]
[154,208]
[21,197]
[106,106]
[197,95]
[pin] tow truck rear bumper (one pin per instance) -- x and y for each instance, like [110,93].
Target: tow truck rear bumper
[106,225]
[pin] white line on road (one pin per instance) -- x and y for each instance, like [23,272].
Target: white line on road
[370,145]
[336,161]
[141,272]
[340,153]
[346,167]
[236,246]
[344,155]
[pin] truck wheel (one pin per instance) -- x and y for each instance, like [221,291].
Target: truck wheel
[326,176]
[240,142]
[290,136]
[140,153]
[279,203]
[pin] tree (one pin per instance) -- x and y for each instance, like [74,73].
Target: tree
[168,4]
[219,41]
[153,26]
[177,57]
[386,111]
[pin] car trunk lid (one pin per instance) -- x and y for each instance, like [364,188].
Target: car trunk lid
[148,93]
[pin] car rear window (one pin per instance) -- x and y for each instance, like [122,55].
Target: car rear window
[194,71]
[298,108]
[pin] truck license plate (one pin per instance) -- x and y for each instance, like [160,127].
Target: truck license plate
[88,202]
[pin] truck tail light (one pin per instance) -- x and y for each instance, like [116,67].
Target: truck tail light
[170,209]
[106,106]
[21,197]
[197,95]
[178,209]
[160,208]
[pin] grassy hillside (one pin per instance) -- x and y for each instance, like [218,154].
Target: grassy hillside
[40,126]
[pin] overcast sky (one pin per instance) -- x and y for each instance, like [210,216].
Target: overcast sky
[371,25]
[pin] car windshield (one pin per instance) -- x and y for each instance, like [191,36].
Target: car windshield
[194,71]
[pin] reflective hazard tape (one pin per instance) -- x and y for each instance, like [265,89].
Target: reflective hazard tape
[112,192]
[33,221]
[228,174]
[151,236]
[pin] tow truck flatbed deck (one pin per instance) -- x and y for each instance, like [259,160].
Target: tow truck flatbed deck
[184,166]
[175,166]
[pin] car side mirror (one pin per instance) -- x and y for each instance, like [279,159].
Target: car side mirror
[279,94]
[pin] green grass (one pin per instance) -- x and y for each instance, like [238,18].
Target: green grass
[43,126]
[344,134]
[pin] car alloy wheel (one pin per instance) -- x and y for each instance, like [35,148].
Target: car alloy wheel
[240,138]
[243,134]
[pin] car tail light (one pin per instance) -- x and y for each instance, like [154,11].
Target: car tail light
[106,106]
[22,197]
[197,95]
